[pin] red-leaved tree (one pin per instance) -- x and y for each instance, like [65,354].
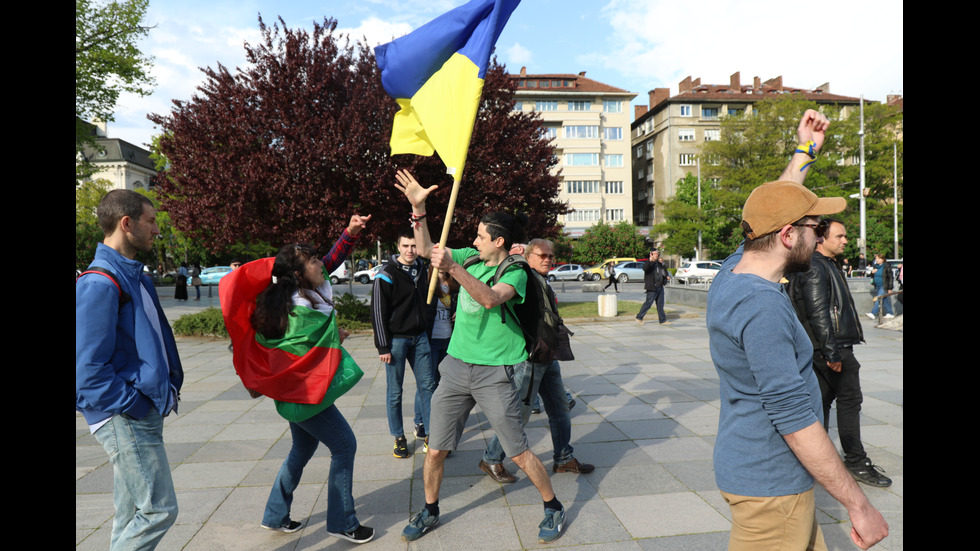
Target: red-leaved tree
[288,148]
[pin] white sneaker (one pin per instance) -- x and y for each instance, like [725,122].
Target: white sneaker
[870,315]
[889,316]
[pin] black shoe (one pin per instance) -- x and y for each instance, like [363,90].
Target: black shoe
[420,431]
[401,448]
[868,473]
[363,534]
[289,527]
[571,404]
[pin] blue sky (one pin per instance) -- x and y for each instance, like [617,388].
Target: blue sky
[636,45]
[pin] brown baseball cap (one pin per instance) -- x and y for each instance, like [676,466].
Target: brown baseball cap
[775,204]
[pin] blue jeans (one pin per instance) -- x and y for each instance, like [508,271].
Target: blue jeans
[143,490]
[438,348]
[329,427]
[416,351]
[546,382]
[887,302]
[657,296]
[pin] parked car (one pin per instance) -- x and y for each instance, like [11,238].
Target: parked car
[629,271]
[598,271]
[342,273]
[694,271]
[211,276]
[567,271]
[367,276]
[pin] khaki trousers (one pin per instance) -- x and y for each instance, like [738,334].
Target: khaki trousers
[780,523]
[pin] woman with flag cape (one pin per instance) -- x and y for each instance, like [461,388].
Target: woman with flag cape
[287,346]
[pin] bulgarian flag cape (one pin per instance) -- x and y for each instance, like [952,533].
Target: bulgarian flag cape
[296,368]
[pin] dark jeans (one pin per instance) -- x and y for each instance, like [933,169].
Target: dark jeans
[330,428]
[657,296]
[845,387]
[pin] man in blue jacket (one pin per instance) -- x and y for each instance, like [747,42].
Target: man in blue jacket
[127,371]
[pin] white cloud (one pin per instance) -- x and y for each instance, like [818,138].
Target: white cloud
[517,55]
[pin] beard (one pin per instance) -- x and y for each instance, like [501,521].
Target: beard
[799,258]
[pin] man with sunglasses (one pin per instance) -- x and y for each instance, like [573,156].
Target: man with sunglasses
[771,445]
[543,378]
[825,308]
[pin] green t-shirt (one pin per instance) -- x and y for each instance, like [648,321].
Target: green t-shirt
[478,335]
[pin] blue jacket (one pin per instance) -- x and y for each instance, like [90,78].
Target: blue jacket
[120,364]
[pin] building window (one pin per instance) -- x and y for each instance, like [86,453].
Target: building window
[550,132]
[615,187]
[712,135]
[546,106]
[581,132]
[710,113]
[581,159]
[579,105]
[685,135]
[612,133]
[686,110]
[582,186]
[518,106]
[735,112]
[583,215]
[689,159]
[614,160]
[612,106]
[615,215]
[639,152]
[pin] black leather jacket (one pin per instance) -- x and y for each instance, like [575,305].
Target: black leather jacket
[654,275]
[824,306]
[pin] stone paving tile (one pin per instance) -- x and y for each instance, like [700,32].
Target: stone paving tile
[645,415]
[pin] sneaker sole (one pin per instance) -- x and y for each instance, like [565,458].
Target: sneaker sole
[348,538]
[558,535]
[424,531]
[283,529]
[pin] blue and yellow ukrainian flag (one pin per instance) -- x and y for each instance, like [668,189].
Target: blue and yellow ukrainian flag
[436,75]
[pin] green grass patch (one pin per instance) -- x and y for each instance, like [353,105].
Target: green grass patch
[591,309]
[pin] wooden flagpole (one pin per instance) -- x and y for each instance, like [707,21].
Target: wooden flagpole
[457,176]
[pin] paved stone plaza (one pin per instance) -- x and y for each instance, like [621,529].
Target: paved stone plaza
[646,415]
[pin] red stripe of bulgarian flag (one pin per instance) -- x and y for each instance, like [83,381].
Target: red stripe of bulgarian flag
[296,368]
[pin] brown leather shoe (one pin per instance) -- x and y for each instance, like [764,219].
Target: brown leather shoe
[497,472]
[573,466]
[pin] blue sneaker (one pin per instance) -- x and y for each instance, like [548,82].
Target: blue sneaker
[551,526]
[419,525]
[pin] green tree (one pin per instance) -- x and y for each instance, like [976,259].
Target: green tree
[683,218]
[107,62]
[603,241]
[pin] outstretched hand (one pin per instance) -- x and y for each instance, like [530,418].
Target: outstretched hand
[813,126]
[414,191]
[357,223]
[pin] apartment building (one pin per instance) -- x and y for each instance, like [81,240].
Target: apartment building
[589,124]
[667,135]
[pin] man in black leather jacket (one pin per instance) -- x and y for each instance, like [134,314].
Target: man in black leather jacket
[824,305]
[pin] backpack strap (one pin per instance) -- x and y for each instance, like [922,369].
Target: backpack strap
[123,295]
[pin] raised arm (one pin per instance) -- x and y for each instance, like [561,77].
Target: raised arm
[812,128]
[345,243]
[417,195]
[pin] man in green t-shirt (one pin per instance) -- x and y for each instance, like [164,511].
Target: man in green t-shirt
[479,367]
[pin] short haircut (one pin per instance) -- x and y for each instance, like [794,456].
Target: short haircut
[119,203]
[407,234]
[511,228]
[539,242]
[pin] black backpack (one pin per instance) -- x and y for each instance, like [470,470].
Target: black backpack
[537,315]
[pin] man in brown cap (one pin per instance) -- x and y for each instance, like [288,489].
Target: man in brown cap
[771,445]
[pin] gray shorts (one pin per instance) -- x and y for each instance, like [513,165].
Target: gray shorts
[462,386]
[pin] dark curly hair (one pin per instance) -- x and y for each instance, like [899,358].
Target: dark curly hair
[272,306]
